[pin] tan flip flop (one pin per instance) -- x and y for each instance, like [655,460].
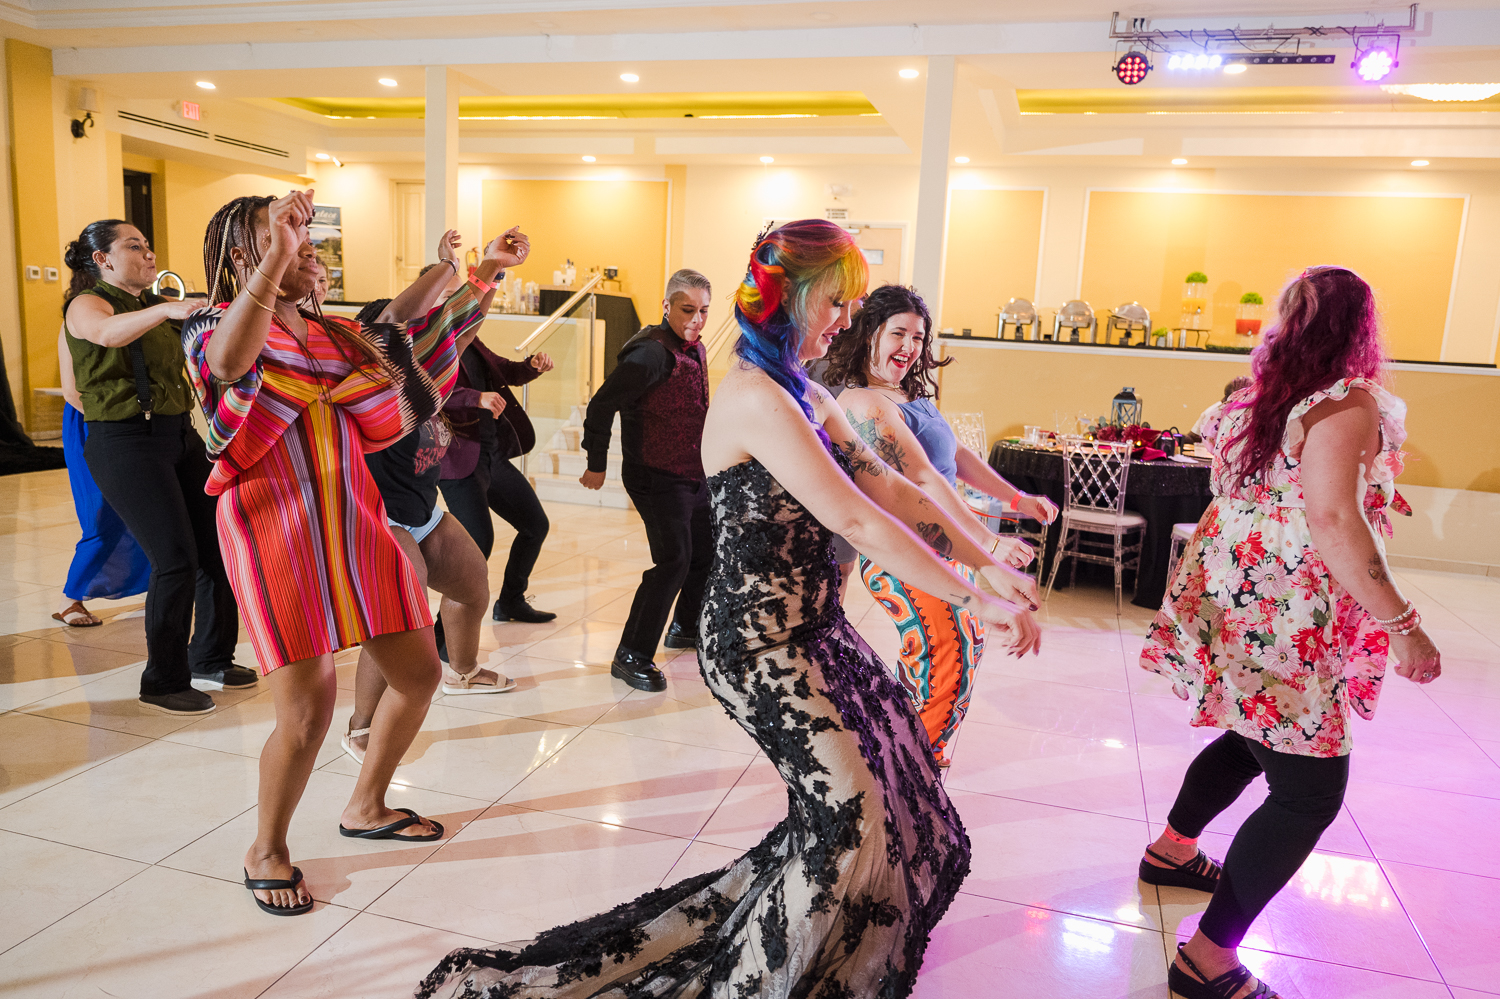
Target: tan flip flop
[75,615]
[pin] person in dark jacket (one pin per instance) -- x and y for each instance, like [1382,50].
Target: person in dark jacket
[660,389]
[489,429]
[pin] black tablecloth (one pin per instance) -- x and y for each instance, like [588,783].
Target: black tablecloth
[1164,492]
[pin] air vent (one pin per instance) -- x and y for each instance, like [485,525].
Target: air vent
[837,214]
[170,126]
[253,146]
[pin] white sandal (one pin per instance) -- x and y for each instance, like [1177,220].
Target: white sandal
[468,683]
[347,741]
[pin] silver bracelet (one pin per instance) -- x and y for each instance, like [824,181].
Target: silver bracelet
[1406,612]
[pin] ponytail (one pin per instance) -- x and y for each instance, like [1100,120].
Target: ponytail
[97,237]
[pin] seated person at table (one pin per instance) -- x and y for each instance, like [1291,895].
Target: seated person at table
[1211,415]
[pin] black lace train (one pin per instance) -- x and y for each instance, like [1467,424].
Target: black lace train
[838,900]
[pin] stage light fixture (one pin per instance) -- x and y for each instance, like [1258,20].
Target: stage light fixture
[1197,61]
[1132,68]
[1374,64]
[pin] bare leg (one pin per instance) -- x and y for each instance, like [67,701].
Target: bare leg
[369,685]
[457,570]
[303,692]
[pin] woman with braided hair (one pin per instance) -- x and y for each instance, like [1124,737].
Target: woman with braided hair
[294,400]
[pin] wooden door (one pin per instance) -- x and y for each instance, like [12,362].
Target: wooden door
[411,217]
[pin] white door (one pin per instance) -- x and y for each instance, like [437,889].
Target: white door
[410,220]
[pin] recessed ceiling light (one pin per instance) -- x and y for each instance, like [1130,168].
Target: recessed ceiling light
[768,159]
[1235,68]
[206,85]
[588,159]
[960,159]
[1444,91]
[1418,162]
[630,78]
[1179,161]
[386,81]
[822,15]
[910,74]
[320,156]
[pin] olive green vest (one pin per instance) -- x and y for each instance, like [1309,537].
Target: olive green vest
[106,378]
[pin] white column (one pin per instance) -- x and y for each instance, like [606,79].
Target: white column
[931,239]
[440,173]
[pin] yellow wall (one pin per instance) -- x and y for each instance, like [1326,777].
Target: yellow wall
[1140,245]
[11,340]
[1015,387]
[603,223]
[192,195]
[993,239]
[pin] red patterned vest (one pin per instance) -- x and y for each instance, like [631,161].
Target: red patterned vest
[670,415]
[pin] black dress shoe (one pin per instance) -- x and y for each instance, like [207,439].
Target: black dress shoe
[519,610]
[637,670]
[679,638]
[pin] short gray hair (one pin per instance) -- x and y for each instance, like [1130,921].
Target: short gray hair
[685,279]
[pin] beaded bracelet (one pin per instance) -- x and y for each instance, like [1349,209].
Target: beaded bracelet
[1406,611]
[1411,626]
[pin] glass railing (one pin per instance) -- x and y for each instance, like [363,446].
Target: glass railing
[573,337]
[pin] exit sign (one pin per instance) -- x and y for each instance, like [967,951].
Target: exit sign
[190,110]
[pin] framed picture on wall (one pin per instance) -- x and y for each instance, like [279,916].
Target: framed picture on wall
[327,234]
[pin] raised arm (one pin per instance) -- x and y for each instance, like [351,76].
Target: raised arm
[241,332]
[422,294]
[1343,440]
[908,503]
[879,424]
[977,472]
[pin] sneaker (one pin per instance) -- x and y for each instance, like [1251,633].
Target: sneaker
[184,702]
[521,611]
[228,678]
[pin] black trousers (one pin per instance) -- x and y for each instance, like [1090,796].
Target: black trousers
[1306,794]
[153,473]
[679,530]
[496,484]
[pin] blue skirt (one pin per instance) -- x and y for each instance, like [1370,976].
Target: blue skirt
[107,563]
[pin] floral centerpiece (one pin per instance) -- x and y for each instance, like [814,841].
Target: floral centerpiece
[1142,439]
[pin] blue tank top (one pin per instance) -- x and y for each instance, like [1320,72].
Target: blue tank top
[935,436]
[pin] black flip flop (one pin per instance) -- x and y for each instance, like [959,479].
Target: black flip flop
[390,831]
[278,884]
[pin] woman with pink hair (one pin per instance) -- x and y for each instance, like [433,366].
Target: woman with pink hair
[1282,612]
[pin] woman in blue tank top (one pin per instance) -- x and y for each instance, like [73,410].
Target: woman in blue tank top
[885,360]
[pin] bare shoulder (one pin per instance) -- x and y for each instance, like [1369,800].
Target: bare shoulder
[866,404]
[1356,407]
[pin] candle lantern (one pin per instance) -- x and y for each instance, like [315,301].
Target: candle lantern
[1018,319]
[1125,410]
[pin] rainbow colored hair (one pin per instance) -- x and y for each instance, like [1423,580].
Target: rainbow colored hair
[788,267]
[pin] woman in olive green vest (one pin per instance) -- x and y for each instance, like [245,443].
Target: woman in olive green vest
[150,463]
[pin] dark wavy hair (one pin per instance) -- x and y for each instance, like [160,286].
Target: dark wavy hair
[854,349]
[97,237]
[787,267]
[234,225]
[1326,329]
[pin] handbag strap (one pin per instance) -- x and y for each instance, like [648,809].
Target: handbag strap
[142,380]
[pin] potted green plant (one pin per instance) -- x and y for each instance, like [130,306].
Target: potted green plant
[1247,320]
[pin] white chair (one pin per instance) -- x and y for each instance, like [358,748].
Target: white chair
[1181,535]
[1094,478]
[969,429]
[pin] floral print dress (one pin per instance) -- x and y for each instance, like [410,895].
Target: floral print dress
[1253,623]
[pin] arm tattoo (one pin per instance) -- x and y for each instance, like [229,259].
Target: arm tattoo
[881,440]
[937,538]
[1377,570]
[860,459]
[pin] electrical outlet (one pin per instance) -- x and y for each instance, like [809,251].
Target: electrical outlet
[49,274]
[33,273]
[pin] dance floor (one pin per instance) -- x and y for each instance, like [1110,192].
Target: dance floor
[121,832]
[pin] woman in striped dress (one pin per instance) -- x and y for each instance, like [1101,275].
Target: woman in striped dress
[294,401]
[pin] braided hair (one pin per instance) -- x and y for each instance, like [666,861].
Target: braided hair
[234,226]
[853,350]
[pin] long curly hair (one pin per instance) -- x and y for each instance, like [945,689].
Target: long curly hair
[853,350]
[1326,329]
[234,225]
[788,267]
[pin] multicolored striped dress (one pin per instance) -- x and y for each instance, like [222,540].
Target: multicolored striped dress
[301,524]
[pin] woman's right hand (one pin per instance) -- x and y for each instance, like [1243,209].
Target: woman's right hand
[288,218]
[1011,626]
[1009,585]
[1418,658]
[492,401]
[182,308]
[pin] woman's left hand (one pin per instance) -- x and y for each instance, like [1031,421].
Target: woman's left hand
[509,249]
[1008,584]
[449,244]
[1014,552]
[1036,507]
[542,363]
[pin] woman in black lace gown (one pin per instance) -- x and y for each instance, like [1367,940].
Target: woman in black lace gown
[838,900]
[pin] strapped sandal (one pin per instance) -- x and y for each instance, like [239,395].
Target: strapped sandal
[347,741]
[469,683]
[279,884]
[1226,985]
[75,615]
[1198,874]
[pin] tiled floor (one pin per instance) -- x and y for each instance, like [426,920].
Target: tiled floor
[121,833]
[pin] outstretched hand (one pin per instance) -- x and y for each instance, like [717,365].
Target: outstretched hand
[509,249]
[1013,628]
[1010,585]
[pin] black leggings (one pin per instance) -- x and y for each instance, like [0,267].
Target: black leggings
[498,485]
[1306,794]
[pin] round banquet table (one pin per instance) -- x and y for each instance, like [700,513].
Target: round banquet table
[1165,492]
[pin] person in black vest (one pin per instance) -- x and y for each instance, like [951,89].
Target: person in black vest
[660,389]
